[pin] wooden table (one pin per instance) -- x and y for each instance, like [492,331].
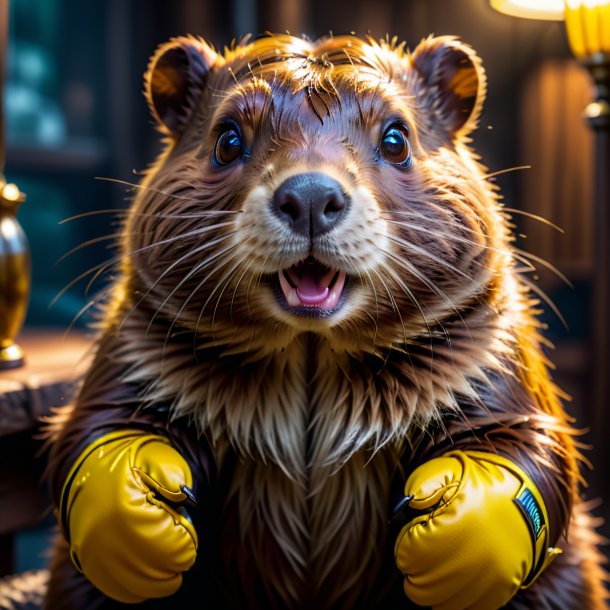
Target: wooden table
[53,365]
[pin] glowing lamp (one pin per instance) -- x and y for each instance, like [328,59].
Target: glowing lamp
[588,27]
[531,9]
[587,21]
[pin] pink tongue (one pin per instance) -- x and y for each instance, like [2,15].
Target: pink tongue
[309,290]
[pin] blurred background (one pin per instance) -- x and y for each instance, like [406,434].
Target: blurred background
[75,112]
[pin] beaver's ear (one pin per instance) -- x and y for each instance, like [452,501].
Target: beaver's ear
[175,78]
[452,84]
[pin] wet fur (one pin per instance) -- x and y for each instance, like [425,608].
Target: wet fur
[437,345]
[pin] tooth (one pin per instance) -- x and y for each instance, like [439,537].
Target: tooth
[292,298]
[333,279]
[289,278]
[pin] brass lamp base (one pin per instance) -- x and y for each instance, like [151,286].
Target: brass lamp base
[11,356]
[14,275]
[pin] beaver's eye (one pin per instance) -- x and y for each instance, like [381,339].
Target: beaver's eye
[228,145]
[394,147]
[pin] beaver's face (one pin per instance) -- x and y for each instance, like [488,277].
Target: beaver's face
[311,224]
[315,187]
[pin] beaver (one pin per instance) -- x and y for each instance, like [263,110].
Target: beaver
[319,379]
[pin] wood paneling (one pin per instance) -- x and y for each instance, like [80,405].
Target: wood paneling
[558,145]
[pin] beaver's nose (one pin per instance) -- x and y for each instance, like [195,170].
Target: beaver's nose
[310,204]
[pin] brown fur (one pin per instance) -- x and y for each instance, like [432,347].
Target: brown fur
[437,345]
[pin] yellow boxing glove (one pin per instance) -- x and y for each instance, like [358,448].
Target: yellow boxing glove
[124,536]
[482,535]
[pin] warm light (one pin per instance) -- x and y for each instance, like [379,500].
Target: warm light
[531,9]
[10,192]
[585,3]
[587,21]
[588,26]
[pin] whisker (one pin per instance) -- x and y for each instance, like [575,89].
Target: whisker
[544,221]
[248,288]
[411,296]
[171,267]
[231,307]
[142,187]
[129,212]
[221,281]
[393,303]
[225,280]
[190,296]
[198,287]
[376,320]
[257,282]
[103,265]
[113,211]
[438,323]
[432,231]
[198,267]
[410,268]
[100,267]
[241,277]
[528,255]
[172,196]
[426,254]
[95,240]
[545,297]
[429,221]
[81,312]
[505,171]
[447,236]
[529,266]
[197,233]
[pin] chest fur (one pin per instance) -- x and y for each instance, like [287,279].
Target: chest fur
[315,544]
[306,508]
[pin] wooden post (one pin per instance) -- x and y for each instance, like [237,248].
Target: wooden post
[597,114]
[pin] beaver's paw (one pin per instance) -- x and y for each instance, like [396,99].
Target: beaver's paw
[481,535]
[120,510]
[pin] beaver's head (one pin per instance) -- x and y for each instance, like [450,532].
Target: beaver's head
[315,186]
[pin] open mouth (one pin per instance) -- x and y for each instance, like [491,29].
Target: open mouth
[313,285]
